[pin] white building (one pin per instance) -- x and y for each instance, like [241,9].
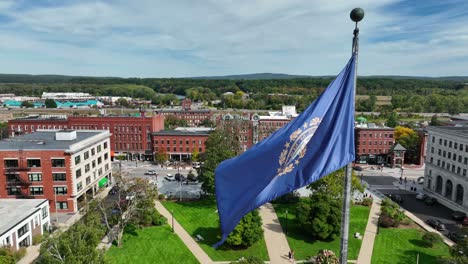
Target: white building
[446,175]
[21,220]
[68,96]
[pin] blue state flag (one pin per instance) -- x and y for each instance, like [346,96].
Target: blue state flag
[317,142]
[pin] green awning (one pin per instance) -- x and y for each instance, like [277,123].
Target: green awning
[103,182]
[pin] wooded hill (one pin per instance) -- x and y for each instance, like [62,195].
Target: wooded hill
[411,94]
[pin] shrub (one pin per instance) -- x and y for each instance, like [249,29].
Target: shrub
[249,260]
[386,221]
[247,232]
[325,256]
[157,219]
[289,198]
[20,253]
[406,221]
[367,202]
[36,239]
[430,238]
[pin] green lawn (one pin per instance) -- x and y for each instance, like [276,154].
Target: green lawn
[401,246]
[201,218]
[306,246]
[156,244]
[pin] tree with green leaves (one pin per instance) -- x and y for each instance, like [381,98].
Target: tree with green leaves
[27,104]
[247,232]
[50,103]
[123,102]
[195,155]
[161,157]
[435,121]
[392,120]
[220,145]
[333,184]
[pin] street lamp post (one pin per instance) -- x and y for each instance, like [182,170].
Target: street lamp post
[286,222]
[172,214]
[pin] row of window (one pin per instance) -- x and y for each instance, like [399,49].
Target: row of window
[375,151]
[375,135]
[390,143]
[37,190]
[181,149]
[130,146]
[449,167]
[36,177]
[87,168]
[128,137]
[181,142]
[449,155]
[450,143]
[32,163]
[93,152]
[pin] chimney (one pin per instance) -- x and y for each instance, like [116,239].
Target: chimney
[65,135]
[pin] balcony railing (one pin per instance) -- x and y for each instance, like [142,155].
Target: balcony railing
[13,169]
[19,181]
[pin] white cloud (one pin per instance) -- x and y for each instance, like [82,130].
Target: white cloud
[215,37]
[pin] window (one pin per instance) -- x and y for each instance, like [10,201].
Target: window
[454,157]
[106,156]
[440,141]
[87,168]
[93,163]
[34,163]
[461,147]
[11,163]
[433,139]
[99,160]
[78,173]
[13,191]
[58,163]
[445,142]
[62,190]
[106,167]
[100,171]
[61,205]
[86,155]
[88,180]
[45,212]
[77,159]
[35,177]
[93,152]
[59,176]
[105,145]
[36,190]
[432,149]
[98,148]
[79,186]
[455,145]
[23,230]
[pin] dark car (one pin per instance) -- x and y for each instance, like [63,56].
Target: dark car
[357,168]
[430,201]
[455,237]
[459,216]
[180,177]
[113,190]
[396,198]
[436,224]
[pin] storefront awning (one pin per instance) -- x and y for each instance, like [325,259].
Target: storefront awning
[102,182]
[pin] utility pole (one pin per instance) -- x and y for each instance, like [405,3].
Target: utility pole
[356,15]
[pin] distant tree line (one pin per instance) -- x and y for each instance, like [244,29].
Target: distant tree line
[412,95]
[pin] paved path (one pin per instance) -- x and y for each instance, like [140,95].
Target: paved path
[367,246]
[192,245]
[276,242]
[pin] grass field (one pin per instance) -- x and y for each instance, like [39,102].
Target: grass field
[306,246]
[201,218]
[155,244]
[401,246]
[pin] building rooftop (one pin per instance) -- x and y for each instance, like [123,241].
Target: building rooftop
[14,211]
[461,132]
[46,140]
[182,133]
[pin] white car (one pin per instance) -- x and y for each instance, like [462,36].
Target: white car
[170,177]
[421,196]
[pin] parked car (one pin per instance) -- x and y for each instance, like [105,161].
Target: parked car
[430,201]
[459,216]
[169,177]
[396,198]
[151,173]
[436,224]
[113,190]
[455,237]
[465,221]
[421,196]
[357,168]
[130,196]
[180,177]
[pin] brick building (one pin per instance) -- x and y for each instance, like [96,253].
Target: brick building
[193,117]
[62,166]
[179,144]
[374,144]
[22,219]
[130,135]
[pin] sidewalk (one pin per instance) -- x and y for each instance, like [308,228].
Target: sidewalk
[367,246]
[275,239]
[193,246]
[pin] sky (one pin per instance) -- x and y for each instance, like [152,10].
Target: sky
[183,38]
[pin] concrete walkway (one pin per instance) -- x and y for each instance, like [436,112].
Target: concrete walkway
[192,245]
[276,242]
[367,246]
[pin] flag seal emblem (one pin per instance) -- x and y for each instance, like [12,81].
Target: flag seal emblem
[295,149]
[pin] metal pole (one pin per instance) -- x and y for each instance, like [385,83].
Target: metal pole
[356,15]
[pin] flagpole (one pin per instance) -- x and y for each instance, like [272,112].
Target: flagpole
[357,14]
